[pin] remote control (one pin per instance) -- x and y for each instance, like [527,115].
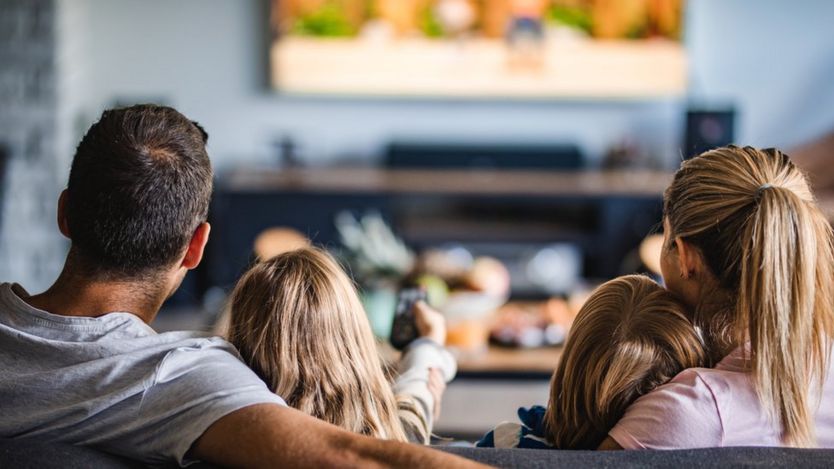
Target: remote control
[404,328]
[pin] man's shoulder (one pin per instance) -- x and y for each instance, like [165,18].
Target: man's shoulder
[89,337]
[195,348]
[148,397]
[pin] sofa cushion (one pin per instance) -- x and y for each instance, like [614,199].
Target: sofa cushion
[704,458]
[35,454]
[31,453]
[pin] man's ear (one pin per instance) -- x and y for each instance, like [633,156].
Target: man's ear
[194,253]
[63,225]
[689,258]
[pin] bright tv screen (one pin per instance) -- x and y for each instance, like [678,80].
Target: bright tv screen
[479,48]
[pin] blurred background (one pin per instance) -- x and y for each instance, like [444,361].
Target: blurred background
[507,155]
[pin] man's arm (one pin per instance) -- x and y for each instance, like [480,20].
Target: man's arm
[269,435]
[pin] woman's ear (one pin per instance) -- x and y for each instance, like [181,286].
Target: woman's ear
[689,258]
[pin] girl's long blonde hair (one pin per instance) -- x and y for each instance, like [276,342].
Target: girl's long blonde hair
[755,222]
[298,323]
[630,337]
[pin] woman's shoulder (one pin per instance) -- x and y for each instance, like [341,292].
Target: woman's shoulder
[723,384]
[699,390]
[683,413]
[690,390]
[710,382]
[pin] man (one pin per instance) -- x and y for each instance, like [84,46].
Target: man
[79,363]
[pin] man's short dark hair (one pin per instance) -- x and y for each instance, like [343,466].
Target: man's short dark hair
[139,186]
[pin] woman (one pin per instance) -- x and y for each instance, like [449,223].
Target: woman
[749,252]
[298,323]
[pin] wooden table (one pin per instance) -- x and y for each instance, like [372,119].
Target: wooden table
[511,361]
[499,362]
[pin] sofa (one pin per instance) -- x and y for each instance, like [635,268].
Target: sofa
[35,454]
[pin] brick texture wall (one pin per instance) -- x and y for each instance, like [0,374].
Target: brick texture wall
[31,249]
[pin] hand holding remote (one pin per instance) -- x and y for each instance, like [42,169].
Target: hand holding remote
[404,327]
[430,323]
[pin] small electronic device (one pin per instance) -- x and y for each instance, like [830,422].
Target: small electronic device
[404,327]
[708,129]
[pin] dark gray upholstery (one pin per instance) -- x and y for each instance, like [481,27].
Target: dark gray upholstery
[703,458]
[34,454]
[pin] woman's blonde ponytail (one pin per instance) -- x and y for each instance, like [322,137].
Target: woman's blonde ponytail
[751,214]
[776,304]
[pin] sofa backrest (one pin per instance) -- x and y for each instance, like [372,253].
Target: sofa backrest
[703,458]
[30,454]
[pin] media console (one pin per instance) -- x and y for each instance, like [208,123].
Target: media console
[604,213]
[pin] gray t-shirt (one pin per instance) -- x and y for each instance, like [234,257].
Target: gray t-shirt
[113,383]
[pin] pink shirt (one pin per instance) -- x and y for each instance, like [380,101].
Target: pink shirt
[711,407]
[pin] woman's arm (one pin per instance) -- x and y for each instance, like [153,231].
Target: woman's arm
[609,444]
[680,414]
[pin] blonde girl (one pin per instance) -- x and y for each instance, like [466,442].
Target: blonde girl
[298,323]
[750,253]
[630,337]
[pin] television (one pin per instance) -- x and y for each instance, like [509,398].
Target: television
[478,48]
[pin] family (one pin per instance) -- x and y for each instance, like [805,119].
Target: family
[734,351]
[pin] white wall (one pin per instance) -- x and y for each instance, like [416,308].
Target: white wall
[207,57]
[31,249]
[773,58]
[74,62]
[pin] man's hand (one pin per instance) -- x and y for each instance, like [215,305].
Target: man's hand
[430,323]
[269,435]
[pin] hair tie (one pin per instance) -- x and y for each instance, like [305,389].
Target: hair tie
[761,189]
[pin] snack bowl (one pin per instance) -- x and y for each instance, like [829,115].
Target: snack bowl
[468,316]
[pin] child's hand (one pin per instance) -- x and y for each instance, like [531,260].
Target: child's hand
[430,323]
[437,385]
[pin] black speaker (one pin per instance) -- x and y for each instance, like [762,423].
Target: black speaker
[708,129]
